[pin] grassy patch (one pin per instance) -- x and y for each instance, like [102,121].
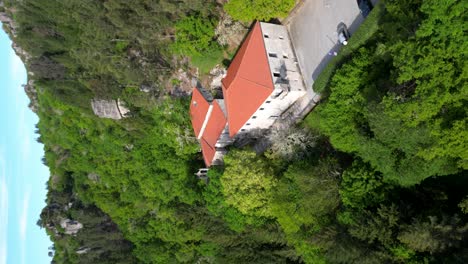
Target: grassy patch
[365,32]
[207,60]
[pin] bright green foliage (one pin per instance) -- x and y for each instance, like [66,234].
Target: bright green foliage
[309,252]
[194,36]
[439,99]
[402,254]
[216,203]
[400,104]
[138,170]
[248,182]
[361,186]
[396,116]
[248,10]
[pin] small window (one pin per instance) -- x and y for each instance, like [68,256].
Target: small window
[254,117]
[272,55]
[266,36]
[276,74]
[261,108]
[268,102]
[281,37]
[242,130]
[248,124]
[285,56]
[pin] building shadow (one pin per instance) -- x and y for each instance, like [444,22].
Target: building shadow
[325,60]
[336,48]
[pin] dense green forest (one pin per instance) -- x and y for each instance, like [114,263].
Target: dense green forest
[375,174]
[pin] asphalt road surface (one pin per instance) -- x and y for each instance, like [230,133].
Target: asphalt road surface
[313,31]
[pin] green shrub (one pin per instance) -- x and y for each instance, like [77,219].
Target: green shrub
[248,10]
[195,36]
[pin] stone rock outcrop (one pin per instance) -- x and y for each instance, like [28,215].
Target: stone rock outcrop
[113,109]
[230,32]
[217,74]
[71,226]
[32,94]
[83,250]
[146,88]
[106,109]
[94,177]
[6,19]
[182,83]
[124,111]
[11,28]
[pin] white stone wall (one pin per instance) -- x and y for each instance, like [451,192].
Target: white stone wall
[219,157]
[271,110]
[106,109]
[224,139]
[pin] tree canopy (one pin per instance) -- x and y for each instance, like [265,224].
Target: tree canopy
[375,174]
[248,10]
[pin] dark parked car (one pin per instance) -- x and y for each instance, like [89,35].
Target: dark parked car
[365,6]
[343,33]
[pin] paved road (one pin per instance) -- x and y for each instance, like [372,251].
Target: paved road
[313,32]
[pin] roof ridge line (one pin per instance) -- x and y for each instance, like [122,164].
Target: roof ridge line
[205,122]
[249,35]
[257,83]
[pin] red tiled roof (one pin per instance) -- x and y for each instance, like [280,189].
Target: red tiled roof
[248,82]
[198,109]
[215,125]
[208,152]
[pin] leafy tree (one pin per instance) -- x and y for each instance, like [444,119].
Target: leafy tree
[248,182]
[361,186]
[248,10]
[439,79]
[397,107]
[216,203]
[464,205]
[194,36]
[306,194]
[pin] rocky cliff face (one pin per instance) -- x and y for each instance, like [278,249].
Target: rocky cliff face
[71,227]
[113,109]
[11,28]
[5,18]
[32,94]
